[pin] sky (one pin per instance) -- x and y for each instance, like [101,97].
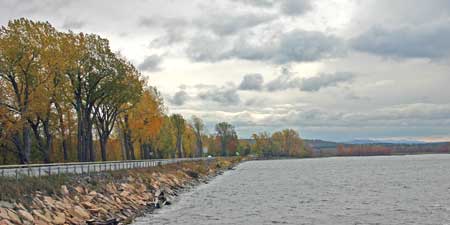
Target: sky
[332,69]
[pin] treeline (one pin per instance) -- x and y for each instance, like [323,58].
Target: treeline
[362,150]
[285,143]
[66,96]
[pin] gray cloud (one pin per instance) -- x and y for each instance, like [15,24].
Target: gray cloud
[162,22]
[73,24]
[37,6]
[170,37]
[295,7]
[179,98]
[294,46]
[286,80]
[206,48]
[287,7]
[233,23]
[257,3]
[252,82]
[307,46]
[425,41]
[151,63]
[174,30]
[223,95]
[324,80]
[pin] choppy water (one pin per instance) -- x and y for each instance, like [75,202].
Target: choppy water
[354,190]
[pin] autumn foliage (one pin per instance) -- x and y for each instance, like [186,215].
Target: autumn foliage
[67,96]
[285,143]
[363,150]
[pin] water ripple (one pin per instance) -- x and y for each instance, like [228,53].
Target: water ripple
[358,190]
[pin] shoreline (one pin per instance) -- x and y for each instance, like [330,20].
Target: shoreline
[106,198]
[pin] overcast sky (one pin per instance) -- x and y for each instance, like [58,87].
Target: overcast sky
[332,69]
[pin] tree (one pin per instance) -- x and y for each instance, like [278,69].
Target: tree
[90,69]
[226,134]
[125,90]
[165,140]
[179,124]
[244,147]
[263,144]
[288,142]
[199,128]
[189,142]
[145,120]
[22,43]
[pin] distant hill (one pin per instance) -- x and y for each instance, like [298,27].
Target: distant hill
[362,142]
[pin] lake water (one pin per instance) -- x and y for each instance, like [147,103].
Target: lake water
[345,190]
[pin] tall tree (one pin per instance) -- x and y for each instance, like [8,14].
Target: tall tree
[90,70]
[227,135]
[22,43]
[179,124]
[125,88]
[199,129]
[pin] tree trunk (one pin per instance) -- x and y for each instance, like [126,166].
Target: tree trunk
[149,151]
[103,143]
[130,147]
[17,140]
[199,147]
[80,133]
[90,141]
[48,142]
[180,146]
[26,144]
[146,148]
[128,142]
[62,127]
[142,149]
[224,147]
[43,146]
[125,155]
[84,146]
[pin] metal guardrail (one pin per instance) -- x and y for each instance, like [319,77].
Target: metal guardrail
[39,170]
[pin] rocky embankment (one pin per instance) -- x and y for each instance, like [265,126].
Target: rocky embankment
[112,198]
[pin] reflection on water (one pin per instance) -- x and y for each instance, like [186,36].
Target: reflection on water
[357,190]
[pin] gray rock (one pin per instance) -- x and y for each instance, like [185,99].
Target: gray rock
[8,205]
